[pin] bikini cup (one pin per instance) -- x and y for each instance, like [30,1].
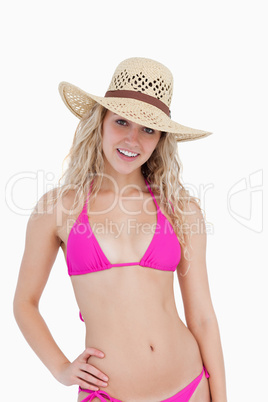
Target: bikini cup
[84,254]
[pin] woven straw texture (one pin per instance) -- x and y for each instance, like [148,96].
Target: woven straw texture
[140,75]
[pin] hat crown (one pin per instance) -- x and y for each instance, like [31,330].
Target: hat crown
[144,75]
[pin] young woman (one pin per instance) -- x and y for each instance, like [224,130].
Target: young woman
[125,224]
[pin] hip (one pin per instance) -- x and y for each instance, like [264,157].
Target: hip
[197,390]
[149,362]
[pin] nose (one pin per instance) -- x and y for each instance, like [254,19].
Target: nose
[132,135]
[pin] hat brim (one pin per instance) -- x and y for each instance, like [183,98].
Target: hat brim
[80,102]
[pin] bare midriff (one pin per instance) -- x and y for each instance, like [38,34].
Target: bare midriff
[130,315]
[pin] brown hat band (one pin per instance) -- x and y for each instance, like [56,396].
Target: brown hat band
[139,96]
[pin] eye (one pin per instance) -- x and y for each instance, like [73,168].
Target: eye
[121,122]
[148,130]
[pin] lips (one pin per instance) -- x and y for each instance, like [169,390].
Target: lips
[127,150]
[125,157]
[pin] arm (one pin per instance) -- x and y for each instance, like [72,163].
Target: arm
[41,248]
[199,312]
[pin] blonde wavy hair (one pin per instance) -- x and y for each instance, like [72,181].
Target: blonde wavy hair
[162,170]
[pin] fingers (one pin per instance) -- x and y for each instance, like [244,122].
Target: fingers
[89,369]
[87,377]
[81,373]
[91,352]
[85,385]
[90,377]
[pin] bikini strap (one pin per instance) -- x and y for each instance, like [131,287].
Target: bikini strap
[149,188]
[88,195]
[152,194]
[172,206]
[100,394]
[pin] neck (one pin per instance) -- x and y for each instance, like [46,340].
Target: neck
[123,183]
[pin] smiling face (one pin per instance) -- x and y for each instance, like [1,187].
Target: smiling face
[120,134]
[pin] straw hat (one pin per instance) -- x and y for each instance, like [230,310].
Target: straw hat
[141,91]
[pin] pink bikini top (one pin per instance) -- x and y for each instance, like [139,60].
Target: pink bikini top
[84,254]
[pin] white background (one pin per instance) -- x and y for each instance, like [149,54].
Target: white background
[217,52]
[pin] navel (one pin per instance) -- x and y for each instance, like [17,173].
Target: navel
[152,348]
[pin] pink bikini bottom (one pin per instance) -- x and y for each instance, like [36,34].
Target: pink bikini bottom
[183,395]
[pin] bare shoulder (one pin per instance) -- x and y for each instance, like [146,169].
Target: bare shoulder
[51,211]
[53,200]
[195,237]
[194,220]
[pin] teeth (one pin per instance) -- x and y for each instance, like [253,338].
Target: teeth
[126,152]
